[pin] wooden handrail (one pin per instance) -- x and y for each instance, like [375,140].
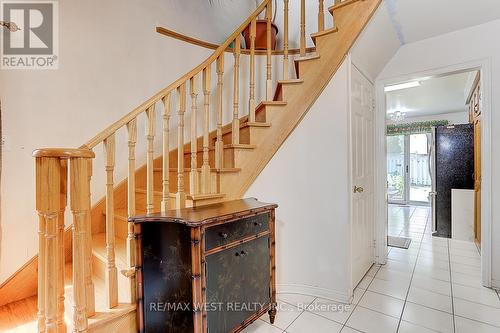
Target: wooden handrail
[176,84]
[211,46]
[64,153]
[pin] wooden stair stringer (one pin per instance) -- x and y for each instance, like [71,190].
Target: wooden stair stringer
[350,20]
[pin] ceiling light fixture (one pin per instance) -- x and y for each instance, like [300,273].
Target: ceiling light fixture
[402,86]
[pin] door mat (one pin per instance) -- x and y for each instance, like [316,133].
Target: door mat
[400,242]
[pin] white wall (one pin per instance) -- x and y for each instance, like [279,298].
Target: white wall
[308,179]
[472,44]
[454,118]
[210,22]
[376,45]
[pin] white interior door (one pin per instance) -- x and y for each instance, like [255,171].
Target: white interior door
[362,146]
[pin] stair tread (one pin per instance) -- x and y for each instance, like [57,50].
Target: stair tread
[28,308]
[254,124]
[226,146]
[331,9]
[239,146]
[189,196]
[307,58]
[205,196]
[291,81]
[323,33]
[271,103]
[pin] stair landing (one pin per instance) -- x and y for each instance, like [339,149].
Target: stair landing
[21,316]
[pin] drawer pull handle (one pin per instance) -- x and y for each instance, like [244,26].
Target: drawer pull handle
[257,224]
[223,235]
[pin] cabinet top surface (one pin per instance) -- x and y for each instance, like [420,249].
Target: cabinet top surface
[198,216]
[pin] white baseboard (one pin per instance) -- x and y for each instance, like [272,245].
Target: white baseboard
[330,294]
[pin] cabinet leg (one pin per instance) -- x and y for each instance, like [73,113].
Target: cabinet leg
[272,313]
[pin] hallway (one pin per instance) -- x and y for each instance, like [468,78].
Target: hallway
[434,286]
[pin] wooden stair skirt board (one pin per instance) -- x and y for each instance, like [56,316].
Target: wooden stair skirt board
[241,164]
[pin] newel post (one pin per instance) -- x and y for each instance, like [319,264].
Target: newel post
[51,196]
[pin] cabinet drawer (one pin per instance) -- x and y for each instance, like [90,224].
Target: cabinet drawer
[223,234]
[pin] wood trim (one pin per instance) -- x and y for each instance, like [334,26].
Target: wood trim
[211,46]
[63,153]
[139,278]
[196,262]
[272,255]
[21,284]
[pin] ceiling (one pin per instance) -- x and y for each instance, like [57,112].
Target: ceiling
[415,20]
[434,96]
[399,22]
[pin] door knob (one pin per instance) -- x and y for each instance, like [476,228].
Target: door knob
[358,189]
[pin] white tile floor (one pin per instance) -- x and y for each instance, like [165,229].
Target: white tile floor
[434,286]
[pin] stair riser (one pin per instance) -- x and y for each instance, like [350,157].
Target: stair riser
[288,90]
[260,116]
[140,201]
[158,181]
[233,157]
[248,135]
[121,228]
[228,160]
[245,137]
[304,66]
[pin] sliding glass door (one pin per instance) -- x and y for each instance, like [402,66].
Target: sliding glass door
[396,168]
[408,171]
[420,178]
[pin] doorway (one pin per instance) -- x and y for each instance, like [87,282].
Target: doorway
[408,169]
[402,195]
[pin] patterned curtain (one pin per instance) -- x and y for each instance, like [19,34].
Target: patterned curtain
[414,128]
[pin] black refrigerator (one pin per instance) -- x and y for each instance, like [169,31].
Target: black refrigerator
[454,164]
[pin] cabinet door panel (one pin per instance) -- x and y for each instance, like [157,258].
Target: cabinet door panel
[237,284]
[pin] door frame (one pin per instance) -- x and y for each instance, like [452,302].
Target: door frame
[484,66]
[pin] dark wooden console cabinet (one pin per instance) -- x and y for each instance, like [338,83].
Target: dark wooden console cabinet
[209,269]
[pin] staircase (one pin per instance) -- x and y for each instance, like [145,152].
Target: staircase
[91,284]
